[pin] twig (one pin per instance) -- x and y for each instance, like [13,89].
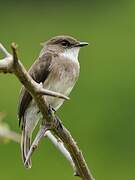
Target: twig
[60,146]
[51,93]
[7,62]
[7,66]
[3,49]
[18,69]
[57,143]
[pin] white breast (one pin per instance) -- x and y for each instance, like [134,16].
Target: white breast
[63,86]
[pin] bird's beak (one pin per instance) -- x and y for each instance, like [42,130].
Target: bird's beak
[81,44]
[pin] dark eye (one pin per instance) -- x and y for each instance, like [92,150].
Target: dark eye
[65,43]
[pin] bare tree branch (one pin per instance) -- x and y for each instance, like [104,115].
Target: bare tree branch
[7,134]
[51,93]
[57,143]
[50,120]
[6,65]
[60,146]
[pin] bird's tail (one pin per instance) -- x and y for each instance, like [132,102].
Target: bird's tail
[25,147]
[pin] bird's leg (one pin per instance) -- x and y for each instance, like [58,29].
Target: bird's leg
[57,122]
[51,112]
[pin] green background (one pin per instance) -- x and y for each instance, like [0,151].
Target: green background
[101,112]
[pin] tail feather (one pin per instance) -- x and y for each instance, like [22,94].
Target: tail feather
[25,147]
[30,120]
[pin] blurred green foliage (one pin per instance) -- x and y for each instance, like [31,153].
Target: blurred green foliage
[101,112]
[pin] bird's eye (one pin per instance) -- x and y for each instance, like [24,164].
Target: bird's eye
[65,43]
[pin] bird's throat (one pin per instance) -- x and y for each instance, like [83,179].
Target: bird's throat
[71,54]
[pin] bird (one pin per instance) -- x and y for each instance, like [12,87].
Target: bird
[57,68]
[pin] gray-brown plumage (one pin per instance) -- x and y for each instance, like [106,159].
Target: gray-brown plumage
[58,69]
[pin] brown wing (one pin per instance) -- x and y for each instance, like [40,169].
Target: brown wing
[39,72]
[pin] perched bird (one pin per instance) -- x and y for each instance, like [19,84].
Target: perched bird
[57,68]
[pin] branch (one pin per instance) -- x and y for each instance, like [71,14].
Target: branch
[6,63]
[51,93]
[60,146]
[7,134]
[57,143]
[50,121]
[7,66]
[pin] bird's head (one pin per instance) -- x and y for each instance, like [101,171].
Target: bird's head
[65,45]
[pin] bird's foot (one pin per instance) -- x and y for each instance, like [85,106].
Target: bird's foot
[57,122]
